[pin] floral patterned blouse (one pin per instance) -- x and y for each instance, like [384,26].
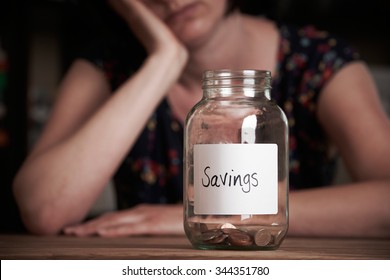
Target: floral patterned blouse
[152,171]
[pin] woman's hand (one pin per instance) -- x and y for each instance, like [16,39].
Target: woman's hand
[144,219]
[153,33]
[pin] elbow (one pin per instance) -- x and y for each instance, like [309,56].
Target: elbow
[39,221]
[38,217]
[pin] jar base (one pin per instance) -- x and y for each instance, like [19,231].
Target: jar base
[235,248]
[229,237]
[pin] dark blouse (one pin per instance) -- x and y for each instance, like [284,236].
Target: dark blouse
[152,172]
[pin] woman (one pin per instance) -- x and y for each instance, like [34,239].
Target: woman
[327,94]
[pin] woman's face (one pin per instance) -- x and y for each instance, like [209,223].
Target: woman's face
[191,20]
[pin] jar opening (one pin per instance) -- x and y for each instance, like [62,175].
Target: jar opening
[226,79]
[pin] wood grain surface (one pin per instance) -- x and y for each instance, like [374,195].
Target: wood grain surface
[178,247]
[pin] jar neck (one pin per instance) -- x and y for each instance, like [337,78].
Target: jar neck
[236,83]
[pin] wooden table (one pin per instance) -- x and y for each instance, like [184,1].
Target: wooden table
[177,247]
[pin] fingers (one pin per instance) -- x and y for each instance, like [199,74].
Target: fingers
[147,227]
[126,230]
[141,220]
[92,227]
[152,31]
[161,44]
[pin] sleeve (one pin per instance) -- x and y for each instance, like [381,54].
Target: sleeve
[327,54]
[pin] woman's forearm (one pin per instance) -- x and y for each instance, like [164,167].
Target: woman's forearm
[57,187]
[353,210]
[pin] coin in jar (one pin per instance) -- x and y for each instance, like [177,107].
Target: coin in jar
[202,227]
[262,237]
[231,230]
[226,225]
[218,239]
[210,234]
[239,238]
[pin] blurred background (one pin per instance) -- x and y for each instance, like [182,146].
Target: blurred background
[40,38]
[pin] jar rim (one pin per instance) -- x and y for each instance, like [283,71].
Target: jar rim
[230,78]
[225,73]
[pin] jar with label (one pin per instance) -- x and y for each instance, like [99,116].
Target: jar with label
[236,164]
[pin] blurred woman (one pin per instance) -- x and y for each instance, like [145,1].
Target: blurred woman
[117,118]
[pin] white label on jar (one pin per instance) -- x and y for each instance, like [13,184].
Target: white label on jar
[235,179]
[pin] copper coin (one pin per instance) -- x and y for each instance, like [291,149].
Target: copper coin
[218,239]
[262,237]
[240,238]
[210,234]
[231,230]
[202,227]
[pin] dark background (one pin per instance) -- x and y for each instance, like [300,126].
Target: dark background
[364,23]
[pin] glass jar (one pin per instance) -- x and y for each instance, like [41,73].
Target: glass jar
[236,164]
